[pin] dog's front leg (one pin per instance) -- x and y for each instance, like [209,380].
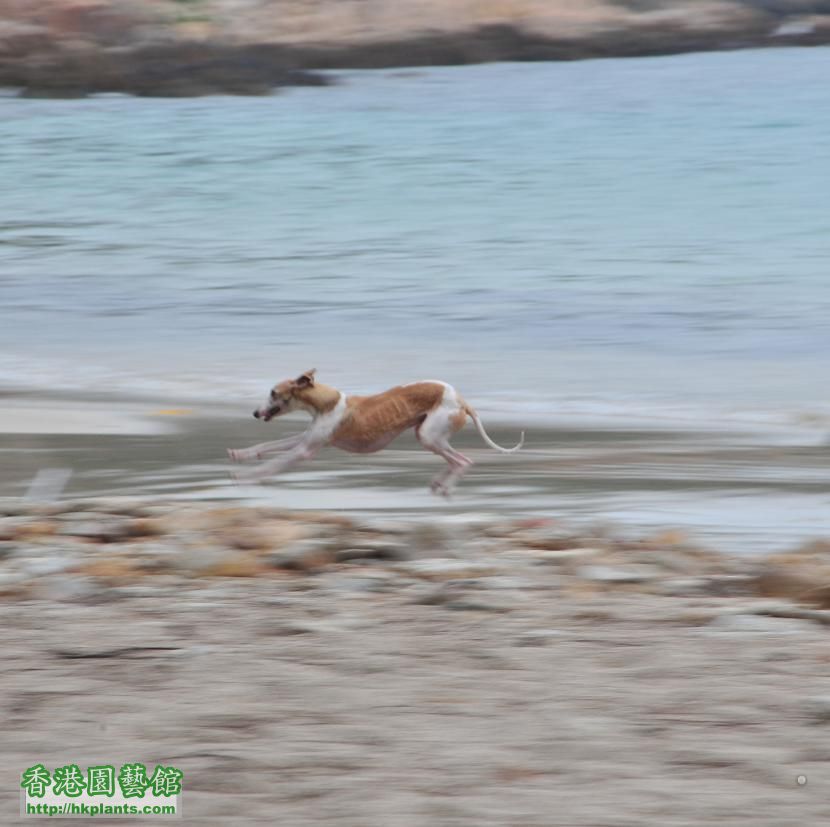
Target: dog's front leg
[259,451]
[275,466]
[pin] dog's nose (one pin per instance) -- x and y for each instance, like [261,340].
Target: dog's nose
[256,414]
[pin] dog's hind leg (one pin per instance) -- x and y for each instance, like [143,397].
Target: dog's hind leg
[434,434]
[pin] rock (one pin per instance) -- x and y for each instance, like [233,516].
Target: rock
[143,527]
[383,526]
[538,637]
[729,585]
[547,540]
[25,528]
[566,555]
[286,628]
[306,555]
[14,507]
[617,576]
[64,588]
[680,586]
[793,582]
[442,568]
[505,582]
[673,561]
[217,561]
[263,536]
[759,624]
[481,603]
[152,556]
[11,582]
[364,583]
[434,539]
[39,566]
[436,595]
[147,589]
[10,527]
[116,569]
[818,708]
[101,527]
[373,549]
[502,602]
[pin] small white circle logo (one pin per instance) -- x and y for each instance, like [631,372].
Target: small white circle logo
[802,780]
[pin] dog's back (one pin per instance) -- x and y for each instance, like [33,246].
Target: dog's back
[376,420]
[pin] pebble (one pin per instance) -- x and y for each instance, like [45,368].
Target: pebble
[759,624]
[123,547]
[304,555]
[199,560]
[106,529]
[434,539]
[10,526]
[567,555]
[443,568]
[38,566]
[679,586]
[538,637]
[373,549]
[481,604]
[818,708]
[283,628]
[500,582]
[435,595]
[610,575]
[65,588]
[11,581]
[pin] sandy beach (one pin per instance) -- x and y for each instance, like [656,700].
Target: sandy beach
[315,668]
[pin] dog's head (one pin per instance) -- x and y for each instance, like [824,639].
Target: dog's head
[285,396]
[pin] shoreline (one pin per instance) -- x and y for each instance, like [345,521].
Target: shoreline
[731,491]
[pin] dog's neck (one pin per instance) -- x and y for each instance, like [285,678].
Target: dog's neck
[319,399]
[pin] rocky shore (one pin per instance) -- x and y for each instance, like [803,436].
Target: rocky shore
[105,549]
[471,670]
[71,48]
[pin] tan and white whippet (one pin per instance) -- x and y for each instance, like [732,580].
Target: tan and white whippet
[365,424]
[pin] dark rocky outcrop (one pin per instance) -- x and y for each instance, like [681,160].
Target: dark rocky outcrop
[68,48]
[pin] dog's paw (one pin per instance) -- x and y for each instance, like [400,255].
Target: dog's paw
[440,489]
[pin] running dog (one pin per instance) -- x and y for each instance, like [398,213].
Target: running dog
[365,424]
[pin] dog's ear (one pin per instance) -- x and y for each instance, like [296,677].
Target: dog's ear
[305,380]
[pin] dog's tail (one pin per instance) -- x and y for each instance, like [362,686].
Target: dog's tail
[474,416]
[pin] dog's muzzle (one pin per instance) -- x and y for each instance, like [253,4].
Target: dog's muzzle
[268,415]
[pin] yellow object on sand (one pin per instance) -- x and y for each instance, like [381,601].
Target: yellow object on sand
[174,412]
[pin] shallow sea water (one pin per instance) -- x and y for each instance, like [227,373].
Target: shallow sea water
[611,245]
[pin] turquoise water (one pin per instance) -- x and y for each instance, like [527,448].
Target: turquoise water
[622,238]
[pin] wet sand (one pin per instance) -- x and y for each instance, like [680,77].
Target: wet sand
[738,491]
